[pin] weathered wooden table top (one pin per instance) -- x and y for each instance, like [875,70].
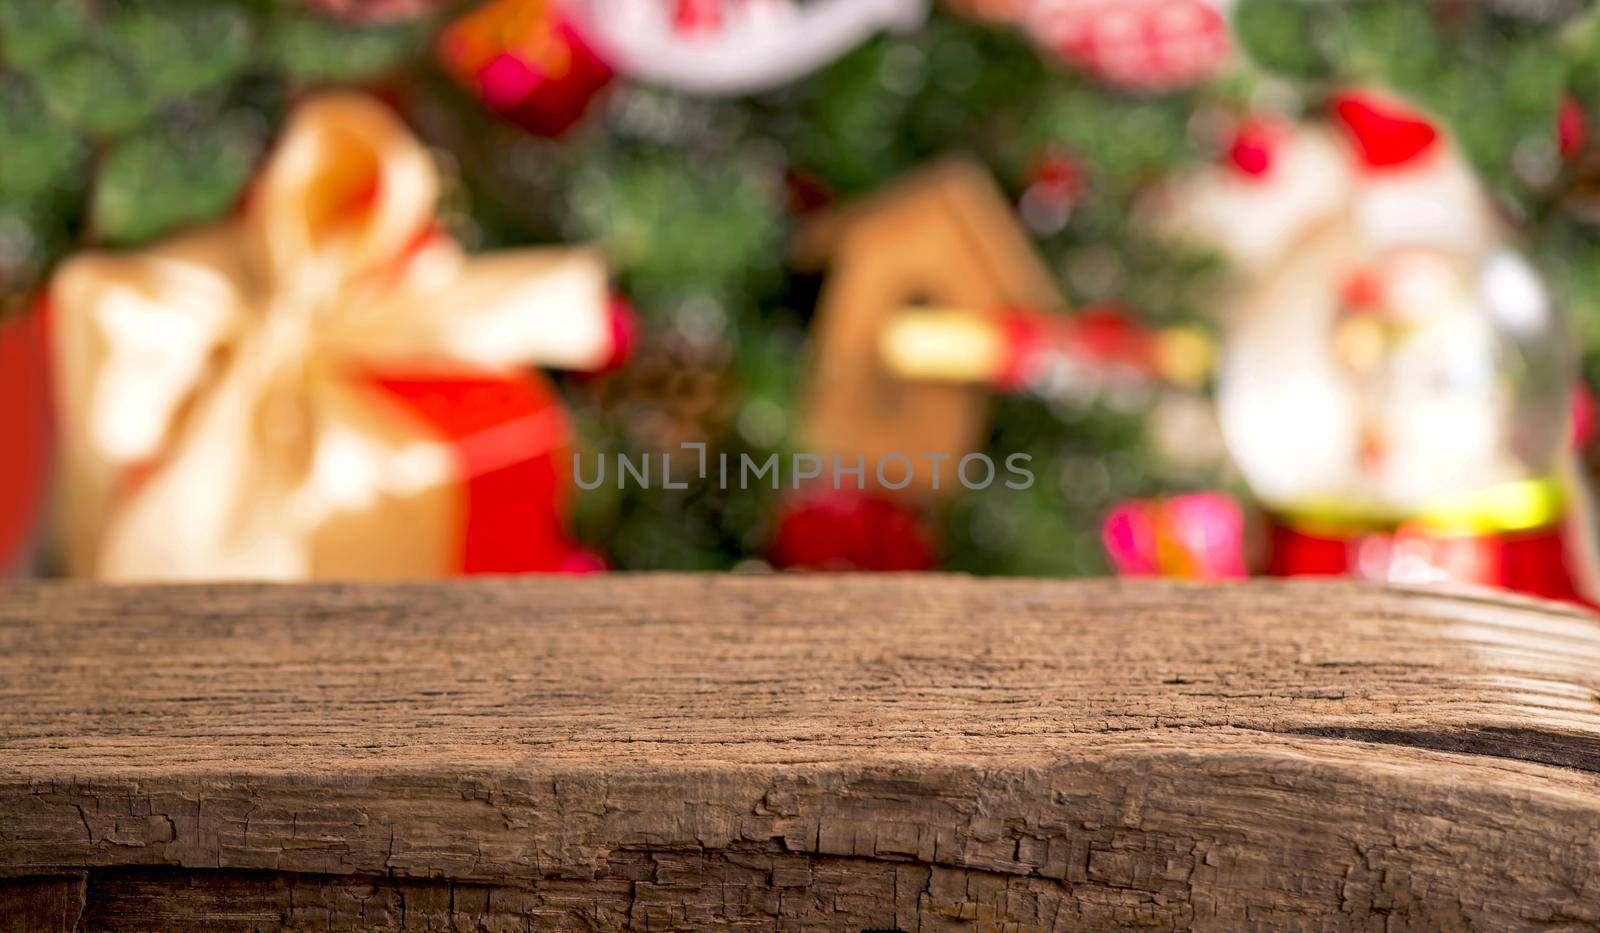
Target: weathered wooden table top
[888,752]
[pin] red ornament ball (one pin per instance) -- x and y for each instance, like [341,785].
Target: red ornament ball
[1058,177]
[527,61]
[1572,128]
[847,529]
[1147,45]
[1255,146]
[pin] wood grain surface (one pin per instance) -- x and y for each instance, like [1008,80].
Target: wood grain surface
[796,752]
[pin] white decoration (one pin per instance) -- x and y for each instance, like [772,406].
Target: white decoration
[758,45]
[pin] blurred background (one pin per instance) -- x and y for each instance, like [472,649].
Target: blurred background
[1254,286]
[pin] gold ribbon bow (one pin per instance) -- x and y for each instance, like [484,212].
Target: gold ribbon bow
[209,424]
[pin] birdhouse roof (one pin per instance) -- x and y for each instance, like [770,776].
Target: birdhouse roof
[957,191]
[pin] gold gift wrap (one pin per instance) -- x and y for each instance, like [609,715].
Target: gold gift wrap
[215,398]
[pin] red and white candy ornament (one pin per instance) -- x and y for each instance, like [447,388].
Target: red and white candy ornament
[1139,45]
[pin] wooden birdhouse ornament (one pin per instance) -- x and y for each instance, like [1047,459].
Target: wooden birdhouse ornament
[944,238]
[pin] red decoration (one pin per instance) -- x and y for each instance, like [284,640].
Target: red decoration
[624,321]
[624,333]
[847,529]
[805,193]
[697,16]
[1105,341]
[1386,133]
[1136,44]
[1255,147]
[25,425]
[1572,128]
[1533,562]
[1111,337]
[1057,178]
[527,61]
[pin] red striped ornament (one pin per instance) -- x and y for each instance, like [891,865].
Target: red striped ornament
[1145,45]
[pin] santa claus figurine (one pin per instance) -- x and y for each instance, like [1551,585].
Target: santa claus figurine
[1394,384]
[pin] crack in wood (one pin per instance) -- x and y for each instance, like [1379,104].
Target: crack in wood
[1527,745]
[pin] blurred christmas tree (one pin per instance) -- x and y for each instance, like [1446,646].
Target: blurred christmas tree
[124,120]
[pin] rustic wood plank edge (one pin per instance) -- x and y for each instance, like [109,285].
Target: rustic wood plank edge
[913,753]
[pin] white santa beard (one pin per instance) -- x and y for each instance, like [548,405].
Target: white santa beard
[1289,415]
[1295,438]
[1438,447]
[1445,414]
[1295,419]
